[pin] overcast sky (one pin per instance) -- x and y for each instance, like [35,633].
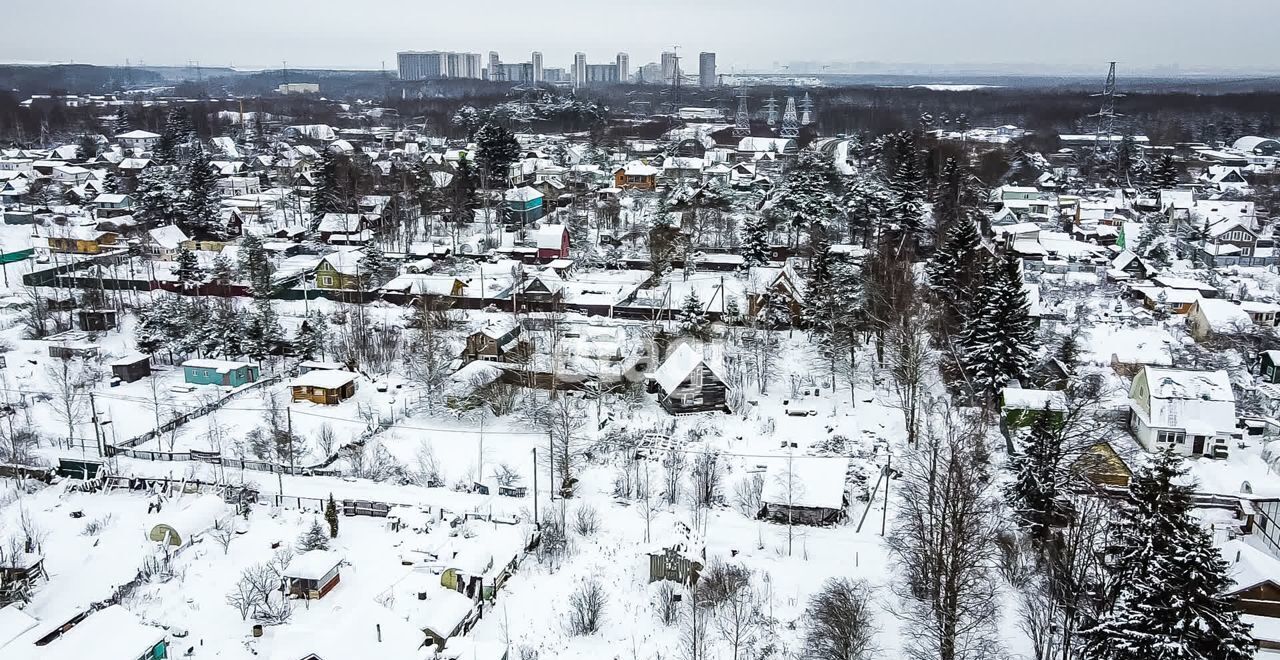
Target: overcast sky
[746,34]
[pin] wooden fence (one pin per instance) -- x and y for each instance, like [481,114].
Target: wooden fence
[179,420]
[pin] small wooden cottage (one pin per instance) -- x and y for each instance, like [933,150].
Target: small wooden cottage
[219,372]
[498,341]
[97,320]
[129,368]
[313,574]
[324,386]
[805,490]
[688,381]
[552,242]
[1269,366]
[1100,465]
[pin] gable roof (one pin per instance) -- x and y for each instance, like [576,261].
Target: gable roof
[812,482]
[679,364]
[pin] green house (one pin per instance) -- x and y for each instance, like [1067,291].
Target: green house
[219,372]
[524,204]
[1021,406]
[1270,366]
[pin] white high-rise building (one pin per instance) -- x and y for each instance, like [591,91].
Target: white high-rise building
[579,69]
[670,67]
[624,68]
[495,66]
[435,64]
[537,66]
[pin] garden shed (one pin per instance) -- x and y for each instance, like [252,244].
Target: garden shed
[313,573]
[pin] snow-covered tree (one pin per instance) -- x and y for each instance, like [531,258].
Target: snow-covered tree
[692,318]
[755,241]
[315,538]
[1166,584]
[188,269]
[496,149]
[807,193]
[954,272]
[157,196]
[1039,476]
[313,334]
[373,265]
[255,265]
[1165,174]
[200,201]
[1000,343]
[327,196]
[262,332]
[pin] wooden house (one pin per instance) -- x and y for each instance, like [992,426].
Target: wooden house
[544,286]
[1255,589]
[807,490]
[132,367]
[80,240]
[341,270]
[635,175]
[498,340]
[1269,366]
[1100,465]
[96,320]
[1191,412]
[313,574]
[524,204]
[110,633]
[219,372]
[1021,407]
[689,381]
[552,242]
[324,386]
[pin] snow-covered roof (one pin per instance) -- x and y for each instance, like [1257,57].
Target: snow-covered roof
[349,633]
[346,262]
[312,564]
[112,633]
[1179,397]
[1222,315]
[477,371]
[522,194]
[132,358]
[1020,399]
[469,648]
[637,168]
[169,237]
[137,135]
[678,365]
[816,482]
[110,198]
[1250,142]
[13,623]
[221,366]
[441,612]
[329,379]
[764,144]
[1249,565]
[196,516]
[550,237]
[317,364]
[1184,283]
[340,223]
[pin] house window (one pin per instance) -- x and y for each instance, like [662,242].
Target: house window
[1171,437]
[326,281]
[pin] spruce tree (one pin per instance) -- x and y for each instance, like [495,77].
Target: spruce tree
[255,266]
[462,191]
[496,150]
[755,241]
[312,335]
[430,197]
[1165,175]
[692,318]
[373,265]
[954,272]
[1165,586]
[223,271]
[327,196]
[157,197]
[807,193]
[314,538]
[819,308]
[110,183]
[188,269]
[262,332]
[331,516]
[999,346]
[1039,478]
[201,201]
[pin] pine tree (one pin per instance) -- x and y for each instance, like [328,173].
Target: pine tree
[314,538]
[462,191]
[331,516]
[1000,343]
[226,333]
[157,197]
[1165,586]
[86,146]
[201,201]
[692,318]
[188,269]
[807,194]
[496,150]
[1165,175]
[327,196]
[1038,476]
[223,271]
[262,332]
[1154,244]
[174,138]
[373,265]
[430,197]
[906,183]
[755,241]
[254,265]
[312,335]
[954,272]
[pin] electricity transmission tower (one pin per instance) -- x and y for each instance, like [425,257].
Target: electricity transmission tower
[806,110]
[771,107]
[790,122]
[742,122]
[1102,138]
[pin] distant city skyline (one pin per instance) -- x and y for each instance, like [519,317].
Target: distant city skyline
[919,35]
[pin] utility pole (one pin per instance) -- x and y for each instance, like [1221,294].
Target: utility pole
[97,435]
[888,470]
[537,522]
